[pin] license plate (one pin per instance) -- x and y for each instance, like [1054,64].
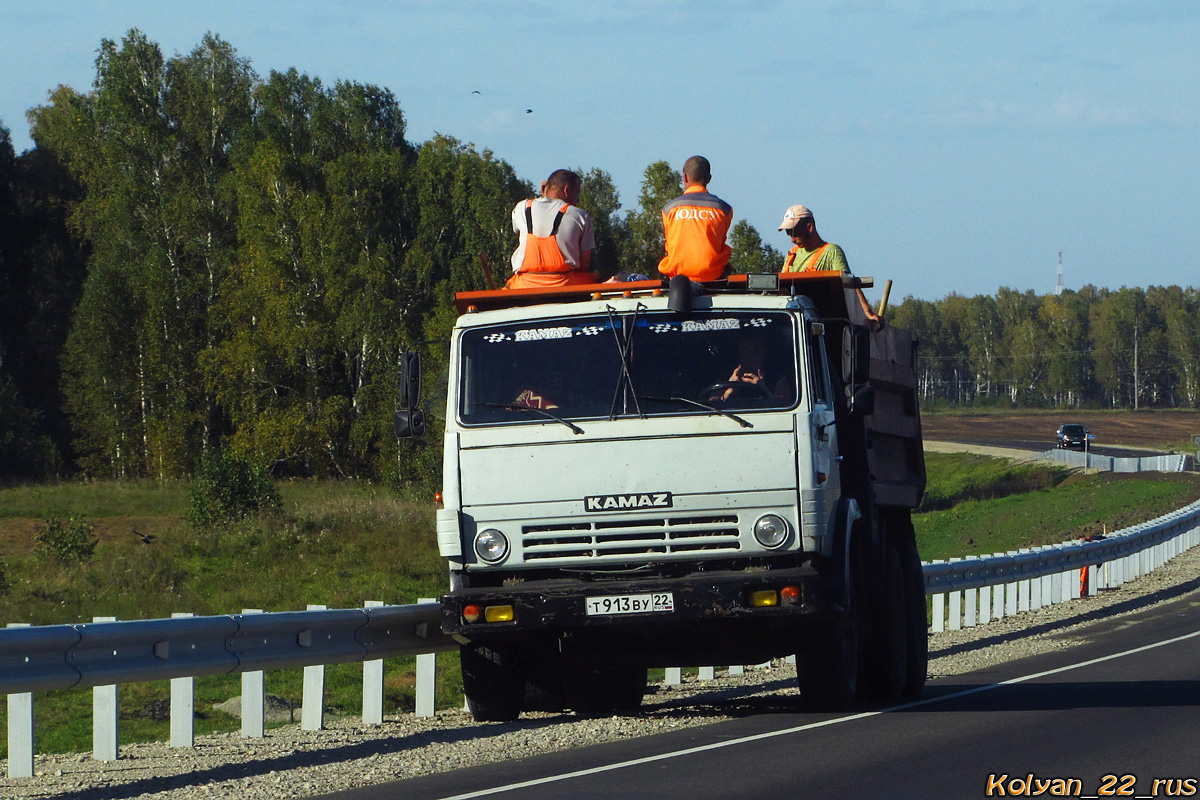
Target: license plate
[630,603]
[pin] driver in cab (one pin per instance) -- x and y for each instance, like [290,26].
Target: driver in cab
[749,377]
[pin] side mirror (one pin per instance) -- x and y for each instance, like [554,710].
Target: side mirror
[856,354]
[410,420]
[410,379]
[410,424]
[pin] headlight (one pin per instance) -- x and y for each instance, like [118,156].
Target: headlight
[491,545]
[770,531]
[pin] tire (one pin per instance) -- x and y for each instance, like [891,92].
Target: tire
[827,667]
[885,656]
[918,624]
[493,681]
[605,691]
[827,661]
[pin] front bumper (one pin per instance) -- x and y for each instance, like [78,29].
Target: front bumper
[558,606]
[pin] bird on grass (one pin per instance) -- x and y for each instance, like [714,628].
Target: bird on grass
[146,538]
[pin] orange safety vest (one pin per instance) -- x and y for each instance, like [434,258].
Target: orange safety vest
[809,262]
[541,252]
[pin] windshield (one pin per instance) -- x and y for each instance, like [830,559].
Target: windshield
[632,364]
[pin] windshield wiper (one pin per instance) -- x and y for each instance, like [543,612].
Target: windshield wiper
[517,407]
[624,348]
[698,404]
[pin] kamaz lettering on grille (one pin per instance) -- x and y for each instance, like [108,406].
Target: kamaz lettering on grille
[627,502]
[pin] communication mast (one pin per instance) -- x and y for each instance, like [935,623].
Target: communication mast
[1058,286]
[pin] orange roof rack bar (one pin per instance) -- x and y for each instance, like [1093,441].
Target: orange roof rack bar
[511,298]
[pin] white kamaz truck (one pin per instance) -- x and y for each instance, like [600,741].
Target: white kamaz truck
[645,474]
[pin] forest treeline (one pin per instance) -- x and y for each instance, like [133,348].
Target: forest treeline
[194,258]
[1124,348]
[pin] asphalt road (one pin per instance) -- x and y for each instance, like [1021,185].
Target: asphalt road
[1040,445]
[1117,709]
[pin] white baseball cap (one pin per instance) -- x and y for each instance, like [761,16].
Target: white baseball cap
[793,215]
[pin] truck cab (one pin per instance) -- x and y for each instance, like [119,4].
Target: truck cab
[642,476]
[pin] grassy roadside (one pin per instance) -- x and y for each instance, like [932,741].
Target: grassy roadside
[341,544]
[338,544]
[978,505]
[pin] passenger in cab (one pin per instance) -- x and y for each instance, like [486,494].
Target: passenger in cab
[695,225]
[811,253]
[556,237]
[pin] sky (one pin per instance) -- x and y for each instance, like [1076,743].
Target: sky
[950,146]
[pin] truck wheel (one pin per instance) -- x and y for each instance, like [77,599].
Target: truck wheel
[885,659]
[827,663]
[605,691]
[918,625]
[493,681]
[827,666]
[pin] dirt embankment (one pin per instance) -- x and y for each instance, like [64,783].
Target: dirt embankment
[1162,430]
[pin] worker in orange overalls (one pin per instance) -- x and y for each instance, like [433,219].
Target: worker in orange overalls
[811,253]
[695,224]
[556,237]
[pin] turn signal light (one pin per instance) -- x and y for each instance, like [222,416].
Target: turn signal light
[764,598]
[790,595]
[472,613]
[437,500]
[499,614]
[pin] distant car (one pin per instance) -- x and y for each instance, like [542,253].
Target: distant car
[1072,435]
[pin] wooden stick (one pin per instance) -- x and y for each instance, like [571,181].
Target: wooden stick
[887,289]
[487,271]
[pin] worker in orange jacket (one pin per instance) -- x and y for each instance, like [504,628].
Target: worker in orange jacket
[556,236]
[695,224]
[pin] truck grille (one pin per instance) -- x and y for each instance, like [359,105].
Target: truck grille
[629,540]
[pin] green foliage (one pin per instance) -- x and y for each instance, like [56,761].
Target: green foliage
[1079,506]
[1124,348]
[645,246]
[67,543]
[230,487]
[955,478]
[203,258]
[750,253]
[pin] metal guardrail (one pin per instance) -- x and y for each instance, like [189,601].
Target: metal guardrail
[977,573]
[1173,462]
[46,657]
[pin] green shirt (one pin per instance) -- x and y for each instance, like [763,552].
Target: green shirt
[832,259]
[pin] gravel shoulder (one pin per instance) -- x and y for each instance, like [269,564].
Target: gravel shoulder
[289,762]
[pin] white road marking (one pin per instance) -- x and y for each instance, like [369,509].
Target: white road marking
[810,726]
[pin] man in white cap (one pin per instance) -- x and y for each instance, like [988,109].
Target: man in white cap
[811,253]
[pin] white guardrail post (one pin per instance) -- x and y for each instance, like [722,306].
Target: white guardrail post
[938,609]
[20,729]
[254,698]
[312,706]
[183,699]
[372,713]
[105,718]
[426,676]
